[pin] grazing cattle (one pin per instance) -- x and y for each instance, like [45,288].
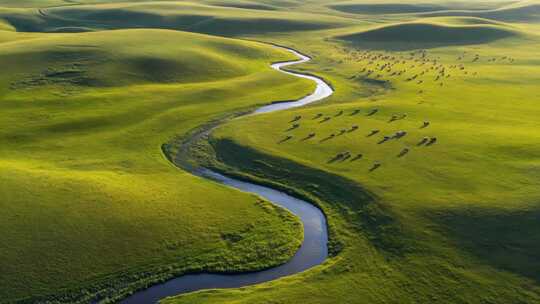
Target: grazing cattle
[296,118]
[372,112]
[288,137]
[358,156]
[373,132]
[375,166]
[385,139]
[423,141]
[400,134]
[309,136]
[294,126]
[403,152]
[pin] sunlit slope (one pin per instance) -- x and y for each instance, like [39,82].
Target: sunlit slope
[4,26]
[456,21]
[117,58]
[89,202]
[202,18]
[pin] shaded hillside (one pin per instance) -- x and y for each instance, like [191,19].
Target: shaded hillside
[218,20]
[427,35]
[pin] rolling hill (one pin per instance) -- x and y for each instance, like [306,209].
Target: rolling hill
[522,11]
[428,34]
[425,160]
[88,198]
[201,18]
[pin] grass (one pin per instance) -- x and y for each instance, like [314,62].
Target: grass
[412,7]
[417,35]
[452,222]
[87,196]
[522,11]
[90,202]
[194,17]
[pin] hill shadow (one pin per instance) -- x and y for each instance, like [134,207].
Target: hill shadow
[506,240]
[415,35]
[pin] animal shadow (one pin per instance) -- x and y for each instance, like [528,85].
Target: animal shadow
[285,139]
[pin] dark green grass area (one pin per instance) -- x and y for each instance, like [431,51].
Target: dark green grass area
[529,11]
[520,11]
[507,240]
[427,35]
[414,7]
[393,8]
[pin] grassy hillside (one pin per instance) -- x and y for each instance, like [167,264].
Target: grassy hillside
[386,7]
[518,11]
[436,33]
[425,160]
[442,144]
[113,59]
[89,201]
[521,11]
[217,19]
[32,3]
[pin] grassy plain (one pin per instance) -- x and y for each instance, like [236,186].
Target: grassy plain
[84,118]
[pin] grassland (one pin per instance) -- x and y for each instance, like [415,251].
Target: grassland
[88,197]
[448,222]
[186,16]
[446,213]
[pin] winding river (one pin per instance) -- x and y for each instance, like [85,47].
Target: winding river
[313,250]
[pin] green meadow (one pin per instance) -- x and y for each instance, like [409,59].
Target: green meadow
[425,160]
[88,197]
